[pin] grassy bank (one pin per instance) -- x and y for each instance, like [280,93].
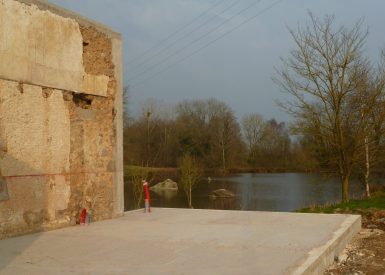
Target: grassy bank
[152,174]
[376,202]
[265,170]
[372,210]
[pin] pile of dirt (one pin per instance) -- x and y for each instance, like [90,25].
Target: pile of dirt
[374,220]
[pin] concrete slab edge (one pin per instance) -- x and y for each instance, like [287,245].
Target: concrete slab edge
[186,209]
[133,211]
[322,257]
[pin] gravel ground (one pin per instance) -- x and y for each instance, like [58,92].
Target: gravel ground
[366,253]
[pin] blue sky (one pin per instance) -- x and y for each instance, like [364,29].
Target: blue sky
[236,69]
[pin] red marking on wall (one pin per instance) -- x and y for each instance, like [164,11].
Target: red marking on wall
[55,174]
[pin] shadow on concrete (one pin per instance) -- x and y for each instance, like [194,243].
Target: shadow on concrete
[24,211]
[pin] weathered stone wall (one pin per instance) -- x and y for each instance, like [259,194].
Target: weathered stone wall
[42,48]
[60,118]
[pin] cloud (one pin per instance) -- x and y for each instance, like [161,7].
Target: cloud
[236,69]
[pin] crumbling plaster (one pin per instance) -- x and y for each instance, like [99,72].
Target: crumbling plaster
[43,48]
[35,129]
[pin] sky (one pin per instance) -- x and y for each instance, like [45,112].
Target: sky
[176,50]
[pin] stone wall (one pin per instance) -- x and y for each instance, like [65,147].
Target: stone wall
[60,118]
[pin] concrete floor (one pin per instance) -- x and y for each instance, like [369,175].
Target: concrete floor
[181,241]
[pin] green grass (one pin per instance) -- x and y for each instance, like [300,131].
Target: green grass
[376,202]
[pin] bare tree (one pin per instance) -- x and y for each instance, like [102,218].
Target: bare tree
[192,127]
[154,132]
[368,103]
[224,131]
[136,177]
[190,173]
[321,74]
[209,130]
[253,126]
[275,144]
[126,110]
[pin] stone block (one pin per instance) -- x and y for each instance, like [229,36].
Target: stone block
[95,84]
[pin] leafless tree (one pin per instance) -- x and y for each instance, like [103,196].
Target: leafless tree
[209,130]
[190,173]
[368,105]
[253,126]
[136,177]
[322,75]
[126,110]
[224,131]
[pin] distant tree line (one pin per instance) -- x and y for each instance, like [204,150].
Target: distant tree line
[337,104]
[208,131]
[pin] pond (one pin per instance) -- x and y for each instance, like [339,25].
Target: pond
[262,192]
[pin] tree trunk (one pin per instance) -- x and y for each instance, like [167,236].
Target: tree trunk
[190,197]
[345,188]
[224,160]
[367,172]
[148,140]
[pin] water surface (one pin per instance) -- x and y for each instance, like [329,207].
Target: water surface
[262,192]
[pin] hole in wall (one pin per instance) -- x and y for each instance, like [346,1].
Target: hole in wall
[47,92]
[20,87]
[82,100]
[68,96]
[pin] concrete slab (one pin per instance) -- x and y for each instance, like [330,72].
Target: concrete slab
[182,241]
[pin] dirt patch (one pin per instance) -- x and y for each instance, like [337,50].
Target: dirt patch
[366,253]
[374,220]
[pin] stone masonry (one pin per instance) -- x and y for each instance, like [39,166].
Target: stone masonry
[60,118]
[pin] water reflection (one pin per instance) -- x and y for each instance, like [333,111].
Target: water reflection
[168,194]
[287,192]
[224,204]
[266,192]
